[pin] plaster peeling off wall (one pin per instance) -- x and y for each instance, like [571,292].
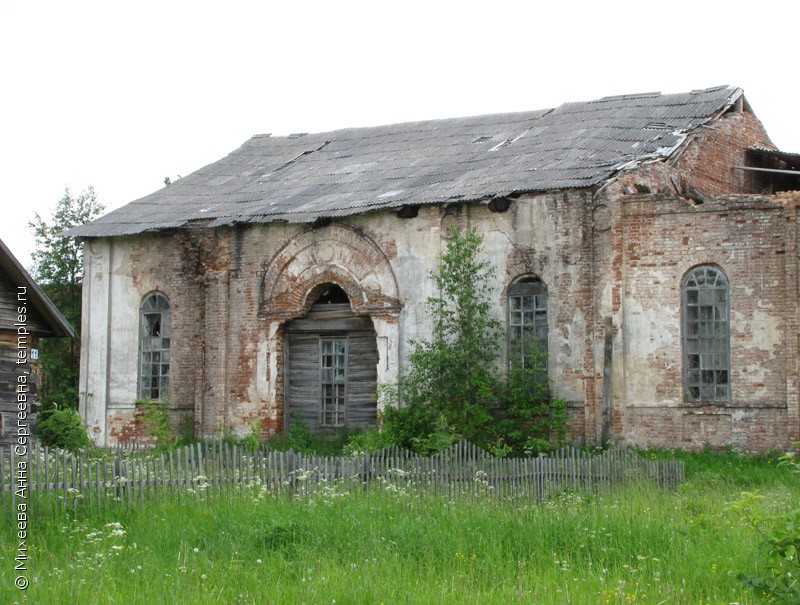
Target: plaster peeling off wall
[759,336]
[651,341]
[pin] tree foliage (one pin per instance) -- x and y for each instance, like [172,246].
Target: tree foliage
[58,268]
[455,387]
[452,374]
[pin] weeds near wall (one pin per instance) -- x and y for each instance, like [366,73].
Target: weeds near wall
[780,536]
[155,417]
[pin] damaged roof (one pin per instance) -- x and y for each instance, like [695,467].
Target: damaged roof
[301,178]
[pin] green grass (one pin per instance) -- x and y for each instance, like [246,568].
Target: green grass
[635,544]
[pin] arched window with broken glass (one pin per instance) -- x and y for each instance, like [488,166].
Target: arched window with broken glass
[706,335]
[154,343]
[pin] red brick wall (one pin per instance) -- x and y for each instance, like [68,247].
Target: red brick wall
[754,241]
[709,160]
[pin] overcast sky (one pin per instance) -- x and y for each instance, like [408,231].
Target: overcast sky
[119,96]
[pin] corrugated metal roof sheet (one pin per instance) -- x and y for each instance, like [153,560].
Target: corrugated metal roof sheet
[301,178]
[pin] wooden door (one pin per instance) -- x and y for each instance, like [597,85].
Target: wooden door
[331,373]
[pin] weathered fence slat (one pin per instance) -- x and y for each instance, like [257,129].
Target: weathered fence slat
[211,468]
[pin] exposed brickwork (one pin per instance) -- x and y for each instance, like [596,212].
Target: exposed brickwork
[709,162]
[614,252]
[750,239]
[338,254]
[706,163]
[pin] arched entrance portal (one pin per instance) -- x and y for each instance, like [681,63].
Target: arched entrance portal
[330,364]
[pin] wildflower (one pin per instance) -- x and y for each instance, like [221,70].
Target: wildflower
[196,549]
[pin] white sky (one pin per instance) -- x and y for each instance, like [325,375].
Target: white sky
[119,96]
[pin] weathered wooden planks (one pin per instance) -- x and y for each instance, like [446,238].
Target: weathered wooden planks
[59,480]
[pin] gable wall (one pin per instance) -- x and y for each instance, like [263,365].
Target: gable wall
[708,161]
[705,162]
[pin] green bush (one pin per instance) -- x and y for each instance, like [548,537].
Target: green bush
[418,428]
[780,536]
[62,427]
[532,419]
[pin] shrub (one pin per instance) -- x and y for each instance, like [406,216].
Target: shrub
[533,419]
[780,535]
[62,427]
[251,440]
[300,439]
[418,428]
[368,440]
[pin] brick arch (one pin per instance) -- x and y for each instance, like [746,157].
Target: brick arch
[313,284]
[338,254]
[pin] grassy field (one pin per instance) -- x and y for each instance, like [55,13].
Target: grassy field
[635,544]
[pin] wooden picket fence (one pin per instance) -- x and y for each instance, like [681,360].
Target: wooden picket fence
[59,480]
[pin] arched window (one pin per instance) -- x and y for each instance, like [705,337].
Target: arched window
[154,341]
[527,321]
[706,335]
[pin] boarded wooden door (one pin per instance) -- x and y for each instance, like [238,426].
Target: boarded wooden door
[331,373]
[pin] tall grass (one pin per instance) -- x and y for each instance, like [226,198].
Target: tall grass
[635,544]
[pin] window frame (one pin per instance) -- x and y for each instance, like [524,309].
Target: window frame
[154,305]
[527,286]
[339,412]
[706,335]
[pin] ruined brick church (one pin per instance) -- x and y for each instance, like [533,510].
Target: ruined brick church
[648,242]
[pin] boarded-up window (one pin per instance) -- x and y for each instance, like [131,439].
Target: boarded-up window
[154,344]
[706,335]
[527,321]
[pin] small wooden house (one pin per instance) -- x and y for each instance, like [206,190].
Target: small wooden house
[26,316]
